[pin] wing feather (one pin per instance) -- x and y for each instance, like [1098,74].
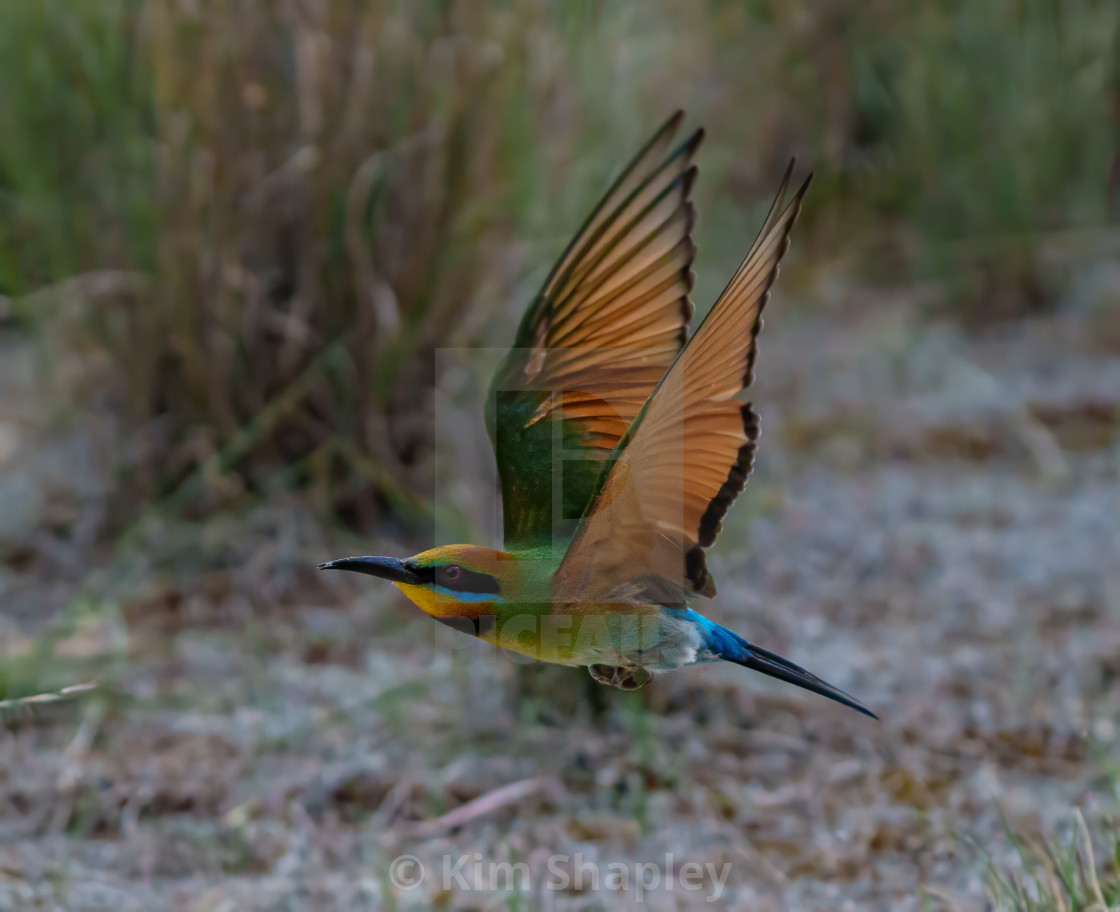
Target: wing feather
[691,448]
[611,317]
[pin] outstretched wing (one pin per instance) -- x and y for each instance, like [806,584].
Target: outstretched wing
[609,320]
[691,448]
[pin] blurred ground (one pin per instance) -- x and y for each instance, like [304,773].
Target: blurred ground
[932,527]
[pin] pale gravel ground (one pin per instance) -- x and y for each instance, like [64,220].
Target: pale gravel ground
[278,756]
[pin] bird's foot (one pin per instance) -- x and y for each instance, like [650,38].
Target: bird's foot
[624,677]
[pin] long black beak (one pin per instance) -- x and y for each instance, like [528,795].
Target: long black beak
[774,665]
[390,568]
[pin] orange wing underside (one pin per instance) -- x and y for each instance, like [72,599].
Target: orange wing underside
[691,450]
[610,319]
[617,302]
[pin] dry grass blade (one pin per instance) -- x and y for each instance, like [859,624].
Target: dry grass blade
[66,693]
[1099,905]
[1045,860]
[943,896]
[486,804]
[367,278]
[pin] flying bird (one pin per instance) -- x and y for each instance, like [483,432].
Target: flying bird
[620,443]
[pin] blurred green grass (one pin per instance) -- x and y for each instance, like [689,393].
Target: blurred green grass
[270,215]
[1063,871]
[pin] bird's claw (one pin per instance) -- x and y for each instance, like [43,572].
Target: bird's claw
[624,677]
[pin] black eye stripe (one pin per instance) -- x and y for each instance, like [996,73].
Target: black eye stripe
[467,581]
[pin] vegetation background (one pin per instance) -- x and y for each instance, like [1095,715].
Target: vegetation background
[237,241]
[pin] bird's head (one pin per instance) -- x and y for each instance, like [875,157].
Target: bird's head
[451,581]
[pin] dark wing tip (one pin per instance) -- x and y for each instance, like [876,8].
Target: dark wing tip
[736,480]
[710,522]
[691,144]
[789,170]
[688,276]
[669,127]
[687,181]
[696,572]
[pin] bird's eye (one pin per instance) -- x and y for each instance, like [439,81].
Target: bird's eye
[452,573]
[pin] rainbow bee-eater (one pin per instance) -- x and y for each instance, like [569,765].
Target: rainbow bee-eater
[621,443]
